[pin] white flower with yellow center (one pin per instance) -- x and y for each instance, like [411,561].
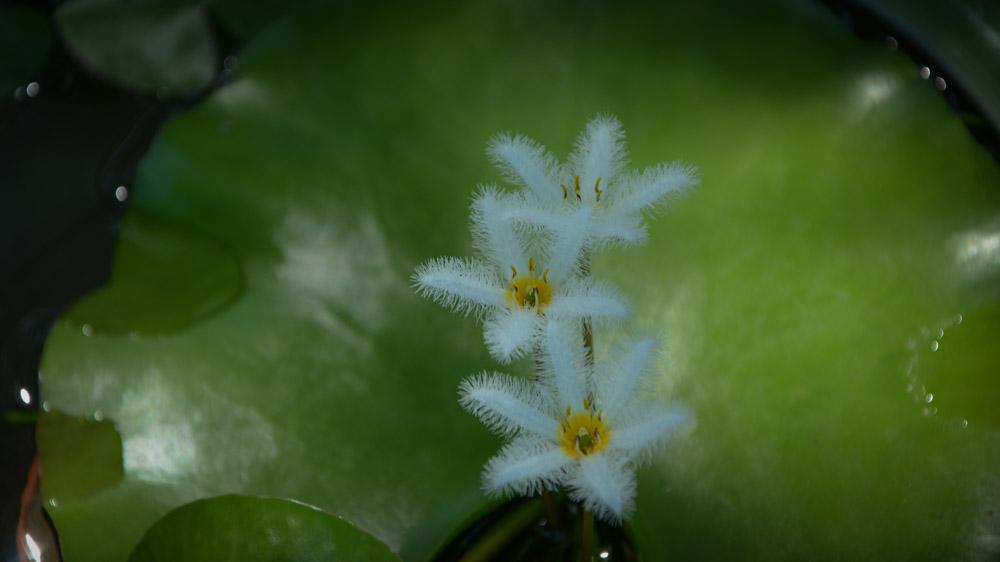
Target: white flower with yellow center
[593,178]
[581,427]
[518,294]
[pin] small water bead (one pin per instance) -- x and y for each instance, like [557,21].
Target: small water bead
[935,345]
[25,395]
[32,89]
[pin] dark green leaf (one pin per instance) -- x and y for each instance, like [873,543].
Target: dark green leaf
[164,46]
[250,529]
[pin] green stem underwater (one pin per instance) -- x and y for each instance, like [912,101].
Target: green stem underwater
[586,535]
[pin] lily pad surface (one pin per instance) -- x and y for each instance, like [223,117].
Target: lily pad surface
[844,218]
[248,529]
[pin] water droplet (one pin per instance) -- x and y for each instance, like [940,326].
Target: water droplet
[940,333]
[87,330]
[25,396]
[604,554]
[965,424]
[891,42]
[53,502]
[940,84]
[959,318]
[925,72]
[98,415]
[46,407]
[929,398]
[121,193]
[935,345]
[32,89]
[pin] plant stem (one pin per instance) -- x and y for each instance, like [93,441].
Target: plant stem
[502,533]
[586,535]
[588,331]
[551,510]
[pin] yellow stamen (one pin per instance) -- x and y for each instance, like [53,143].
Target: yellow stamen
[583,433]
[565,190]
[530,291]
[597,190]
[576,189]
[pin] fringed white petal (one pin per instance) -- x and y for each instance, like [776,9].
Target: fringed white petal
[511,333]
[526,466]
[638,437]
[493,232]
[605,485]
[462,285]
[565,365]
[600,153]
[526,163]
[529,213]
[568,241]
[621,376]
[507,405]
[584,298]
[645,190]
[619,228]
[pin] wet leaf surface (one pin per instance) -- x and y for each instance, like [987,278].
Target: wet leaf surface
[242,528]
[826,235]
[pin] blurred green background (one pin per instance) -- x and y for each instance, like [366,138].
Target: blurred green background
[828,296]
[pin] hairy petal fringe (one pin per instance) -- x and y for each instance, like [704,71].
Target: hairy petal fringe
[525,467]
[621,377]
[526,163]
[565,365]
[492,231]
[585,298]
[600,151]
[461,285]
[507,405]
[637,438]
[605,485]
[511,333]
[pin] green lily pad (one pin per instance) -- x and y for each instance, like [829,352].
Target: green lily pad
[165,277]
[826,235]
[72,442]
[163,46]
[241,528]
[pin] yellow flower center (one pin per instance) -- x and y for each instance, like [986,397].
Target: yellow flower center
[598,192]
[530,290]
[584,432]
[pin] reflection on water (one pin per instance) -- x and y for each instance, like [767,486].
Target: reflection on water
[167,442]
[873,89]
[336,270]
[977,251]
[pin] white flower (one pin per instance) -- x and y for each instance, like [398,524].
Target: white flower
[578,426]
[593,178]
[515,293]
